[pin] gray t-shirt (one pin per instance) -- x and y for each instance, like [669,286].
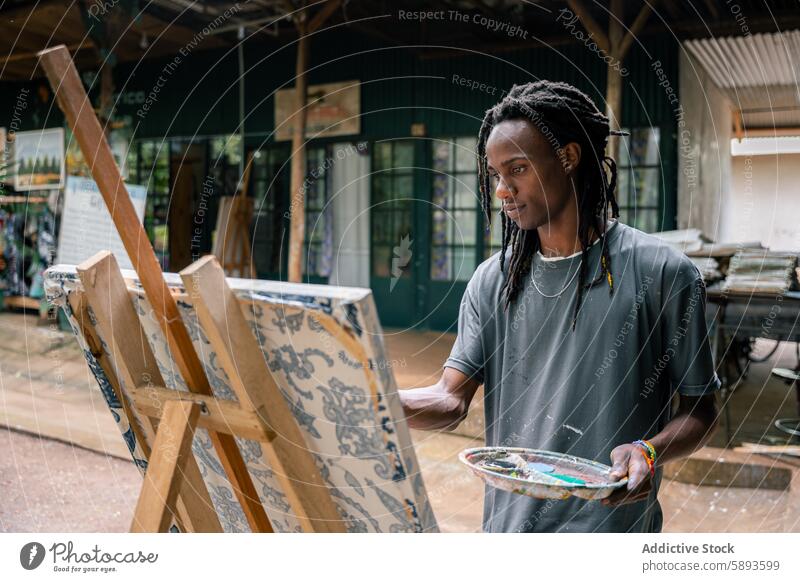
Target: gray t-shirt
[584,392]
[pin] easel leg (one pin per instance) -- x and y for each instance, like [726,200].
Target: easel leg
[164,475]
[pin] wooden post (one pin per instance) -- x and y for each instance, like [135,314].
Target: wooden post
[171,451]
[77,108]
[297,204]
[615,44]
[240,356]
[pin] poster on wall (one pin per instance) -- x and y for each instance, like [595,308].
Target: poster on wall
[335,110]
[86,225]
[39,159]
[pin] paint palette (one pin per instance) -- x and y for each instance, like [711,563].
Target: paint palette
[541,474]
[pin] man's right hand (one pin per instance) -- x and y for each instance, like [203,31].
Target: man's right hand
[442,406]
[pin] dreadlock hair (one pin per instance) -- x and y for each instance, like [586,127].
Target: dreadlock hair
[565,114]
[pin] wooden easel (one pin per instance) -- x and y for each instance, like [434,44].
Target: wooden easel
[232,243]
[173,488]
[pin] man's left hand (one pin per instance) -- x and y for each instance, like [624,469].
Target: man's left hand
[629,460]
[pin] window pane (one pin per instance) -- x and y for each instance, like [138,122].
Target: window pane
[644,146]
[440,263]
[403,156]
[623,187]
[439,227]
[381,262]
[383,155]
[465,155]
[315,162]
[403,225]
[381,187]
[494,239]
[403,188]
[645,183]
[315,226]
[463,263]
[465,196]
[462,227]
[381,226]
[455,207]
[441,156]
[644,219]
[640,148]
[441,190]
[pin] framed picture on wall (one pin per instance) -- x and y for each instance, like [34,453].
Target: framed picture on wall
[334,109]
[39,159]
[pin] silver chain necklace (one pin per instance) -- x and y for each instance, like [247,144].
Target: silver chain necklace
[535,286]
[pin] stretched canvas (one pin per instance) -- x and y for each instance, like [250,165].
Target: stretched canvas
[39,159]
[349,413]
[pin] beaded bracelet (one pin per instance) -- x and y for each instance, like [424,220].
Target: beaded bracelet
[649,452]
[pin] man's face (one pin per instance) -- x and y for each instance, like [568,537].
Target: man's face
[527,175]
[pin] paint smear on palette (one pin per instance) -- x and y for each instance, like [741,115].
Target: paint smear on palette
[533,467]
[539,473]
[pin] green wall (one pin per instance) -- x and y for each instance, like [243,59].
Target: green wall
[399,87]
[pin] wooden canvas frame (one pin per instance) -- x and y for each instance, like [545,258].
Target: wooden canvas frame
[106,307]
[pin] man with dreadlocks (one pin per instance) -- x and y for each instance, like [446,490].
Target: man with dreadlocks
[581,329]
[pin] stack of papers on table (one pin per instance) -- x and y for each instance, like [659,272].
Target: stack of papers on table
[708,267]
[761,271]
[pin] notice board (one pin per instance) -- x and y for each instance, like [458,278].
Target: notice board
[86,225]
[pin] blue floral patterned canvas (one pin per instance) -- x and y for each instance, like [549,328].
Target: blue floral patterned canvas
[353,426]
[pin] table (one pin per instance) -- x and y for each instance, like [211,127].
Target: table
[742,317]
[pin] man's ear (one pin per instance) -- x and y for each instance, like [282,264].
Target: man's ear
[570,157]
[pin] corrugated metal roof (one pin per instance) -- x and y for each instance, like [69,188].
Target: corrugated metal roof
[758,72]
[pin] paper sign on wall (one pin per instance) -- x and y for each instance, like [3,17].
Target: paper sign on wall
[333,109]
[86,225]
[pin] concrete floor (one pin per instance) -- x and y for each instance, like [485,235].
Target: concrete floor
[64,466]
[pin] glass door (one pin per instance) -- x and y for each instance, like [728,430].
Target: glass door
[269,185]
[393,261]
[456,241]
